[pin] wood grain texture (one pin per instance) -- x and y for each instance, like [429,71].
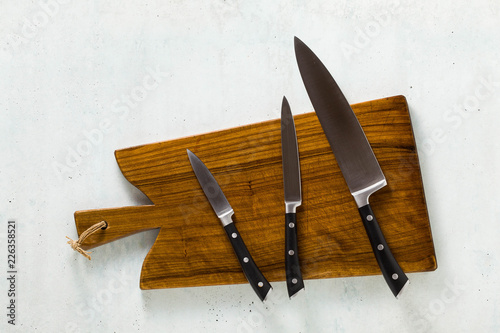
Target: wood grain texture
[191,248]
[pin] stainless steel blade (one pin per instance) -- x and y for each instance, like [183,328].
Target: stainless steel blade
[290,156]
[212,190]
[352,151]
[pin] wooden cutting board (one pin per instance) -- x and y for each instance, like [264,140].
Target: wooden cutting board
[191,248]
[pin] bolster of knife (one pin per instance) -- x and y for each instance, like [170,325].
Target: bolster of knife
[392,272]
[294,280]
[253,274]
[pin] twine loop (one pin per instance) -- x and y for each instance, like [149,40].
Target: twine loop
[75,244]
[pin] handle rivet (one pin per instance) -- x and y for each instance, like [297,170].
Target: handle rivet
[294,281]
[380,247]
[291,224]
[369,218]
[245,260]
[291,252]
[395,276]
[234,235]
[260,284]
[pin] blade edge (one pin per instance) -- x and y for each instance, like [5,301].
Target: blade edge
[354,156]
[290,159]
[210,188]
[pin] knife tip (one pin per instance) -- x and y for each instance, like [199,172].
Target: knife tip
[191,155]
[285,108]
[297,41]
[284,104]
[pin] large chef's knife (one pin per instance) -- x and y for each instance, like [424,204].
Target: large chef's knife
[293,198]
[353,153]
[225,212]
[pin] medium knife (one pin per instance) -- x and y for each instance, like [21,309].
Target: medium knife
[293,198]
[225,212]
[353,153]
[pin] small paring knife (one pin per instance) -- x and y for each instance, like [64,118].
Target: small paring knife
[293,198]
[353,153]
[224,212]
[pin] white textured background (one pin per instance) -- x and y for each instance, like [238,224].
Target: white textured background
[68,69]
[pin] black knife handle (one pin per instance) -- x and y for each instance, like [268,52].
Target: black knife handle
[294,282]
[393,274]
[257,280]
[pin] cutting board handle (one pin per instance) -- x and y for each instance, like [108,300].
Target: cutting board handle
[122,222]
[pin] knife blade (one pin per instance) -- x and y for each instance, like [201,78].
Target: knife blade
[293,198]
[353,153]
[224,212]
